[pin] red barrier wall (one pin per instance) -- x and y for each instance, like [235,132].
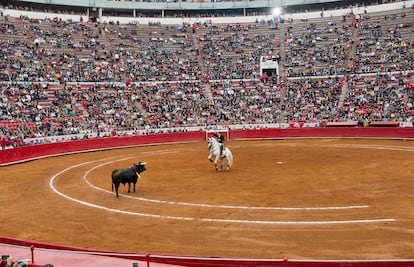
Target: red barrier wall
[337,132]
[32,152]
[25,153]
[208,262]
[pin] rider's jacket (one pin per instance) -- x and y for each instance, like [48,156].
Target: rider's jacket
[221,138]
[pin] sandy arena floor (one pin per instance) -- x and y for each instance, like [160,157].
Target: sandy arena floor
[304,199]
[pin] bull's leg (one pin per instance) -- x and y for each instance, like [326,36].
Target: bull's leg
[134,187]
[116,189]
[129,187]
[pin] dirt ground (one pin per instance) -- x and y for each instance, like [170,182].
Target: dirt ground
[314,199]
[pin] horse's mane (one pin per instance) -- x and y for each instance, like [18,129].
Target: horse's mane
[212,140]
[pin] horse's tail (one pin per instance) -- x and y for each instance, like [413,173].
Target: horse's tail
[229,158]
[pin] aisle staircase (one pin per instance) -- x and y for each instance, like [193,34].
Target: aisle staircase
[282,69]
[350,61]
[206,86]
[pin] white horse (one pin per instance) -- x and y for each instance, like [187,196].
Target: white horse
[214,147]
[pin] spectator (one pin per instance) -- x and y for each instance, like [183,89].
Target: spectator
[9,262]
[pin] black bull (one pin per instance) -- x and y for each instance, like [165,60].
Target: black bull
[129,175]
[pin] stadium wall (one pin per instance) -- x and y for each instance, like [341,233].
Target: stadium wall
[235,19]
[26,153]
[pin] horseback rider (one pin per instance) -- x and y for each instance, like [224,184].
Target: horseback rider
[220,139]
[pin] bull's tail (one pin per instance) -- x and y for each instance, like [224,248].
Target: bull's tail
[112,179]
[115,182]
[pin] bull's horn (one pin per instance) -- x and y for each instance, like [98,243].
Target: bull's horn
[143,163]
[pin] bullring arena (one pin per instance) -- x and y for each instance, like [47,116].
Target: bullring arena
[315,98]
[305,199]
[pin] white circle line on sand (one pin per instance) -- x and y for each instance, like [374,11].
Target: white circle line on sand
[301,222]
[202,219]
[216,206]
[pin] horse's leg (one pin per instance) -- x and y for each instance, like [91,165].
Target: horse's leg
[227,161]
[221,163]
[216,161]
